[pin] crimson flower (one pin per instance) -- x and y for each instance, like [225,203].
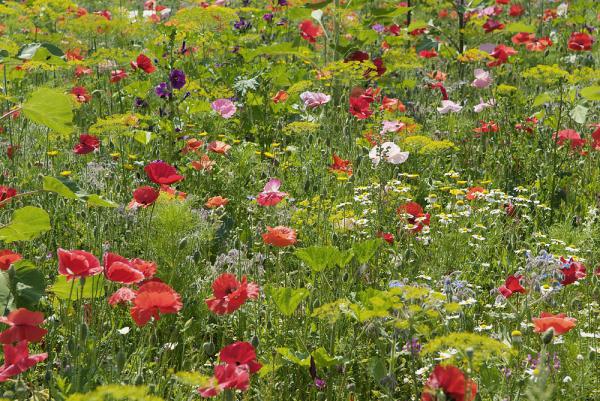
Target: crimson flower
[387,237]
[117,75]
[310,31]
[501,54]
[17,360]
[428,53]
[559,323]
[146,195]
[77,264]
[122,270]
[143,63]
[571,136]
[162,173]
[24,325]
[6,193]
[359,108]
[229,294]
[81,94]
[492,25]
[516,10]
[452,382]
[572,271]
[416,215]
[226,376]
[511,285]
[240,353]
[522,38]
[341,166]
[154,297]
[580,41]
[7,258]
[87,144]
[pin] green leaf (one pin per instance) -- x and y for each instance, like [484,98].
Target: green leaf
[61,186]
[3,55]
[30,284]
[51,108]
[377,368]
[27,223]
[364,251]
[319,5]
[6,298]
[579,114]
[318,258]
[92,287]
[517,27]
[143,137]
[98,201]
[542,99]
[417,25]
[323,359]
[28,52]
[299,358]
[591,93]
[287,299]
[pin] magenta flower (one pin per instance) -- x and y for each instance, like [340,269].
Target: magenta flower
[225,107]
[270,196]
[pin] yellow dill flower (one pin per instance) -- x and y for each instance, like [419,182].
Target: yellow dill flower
[52,153]
[66,173]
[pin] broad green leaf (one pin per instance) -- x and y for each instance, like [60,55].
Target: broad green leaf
[6,298]
[579,114]
[92,287]
[98,201]
[364,251]
[51,108]
[323,359]
[542,99]
[61,186]
[143,137]
[417,25]
[30,284]
[319,5]
[3,55]
[279,49]
[287,299]
[318,258]
[302,359]
[192,379]
[591,93]
[28,52]
[377,368]
[517,27]
[344,257]
[27,223]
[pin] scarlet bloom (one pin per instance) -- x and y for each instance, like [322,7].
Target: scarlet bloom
[511,285]
[279,236]
[192,145]
[271,195]
[122,270]
[428,53]
[341,166]
[538,45]
[596,137]
[572,271]
[229,294]
[310,31]
[122,296]
[7,258]
[216,201]
[571,136]
[204,164]
[416,216]
[501,54]
[154,297]
[6,193]
[474,192]
[580,41]
[219,147]
[87,144]
[24,325]
[162,173]
[17,360]
[452,382]
[143,63]
[559,323]
[146,195]
[81,94]
[359,108]
[226,376]
[280,97]
[117,75]
[515,10]
[240,353]
[77,264]
[387,237]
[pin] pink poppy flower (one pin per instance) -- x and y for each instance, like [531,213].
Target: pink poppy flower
[270,196]
[314,99]
[482,79]
[449,106]
[225,107]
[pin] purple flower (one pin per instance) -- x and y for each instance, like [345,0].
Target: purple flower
[378,28]
[177,78]
[162,90]
[242,24]
[268,17]
[282,21]
[320,383]
[413,346]
[282,2]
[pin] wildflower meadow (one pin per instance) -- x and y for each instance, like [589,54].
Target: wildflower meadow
[312,200]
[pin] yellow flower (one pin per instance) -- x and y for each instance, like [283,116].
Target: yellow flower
[53,153]
[65,173]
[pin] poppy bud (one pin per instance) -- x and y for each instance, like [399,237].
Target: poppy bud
[139,379]
[209,348]
[547,336]
[84,332]
[121,358]
[470,352]
[345,276]
[316,303]
[196,256]
[351,387]
[71,346]
[254,341]
[183,243]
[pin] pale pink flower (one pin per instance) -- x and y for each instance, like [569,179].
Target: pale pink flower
[390,152]
[314,99]
[483,105]
[225,107]
[391,126]
[482,80]
[449,106]
[270,196]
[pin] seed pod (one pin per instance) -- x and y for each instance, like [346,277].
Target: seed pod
[254,341]
[547,336]
[209,348]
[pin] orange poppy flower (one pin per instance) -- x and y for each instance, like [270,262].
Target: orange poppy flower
[279,236]
[216,201]
[559,323]
[219,147]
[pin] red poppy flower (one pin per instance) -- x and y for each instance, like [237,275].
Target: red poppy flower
[17,360]
[359,108]
[516,10]
[416,215]
[357,55]
[240,353]
[280,97]
[572,272]
[522,38]
[143,63]
[162,173]
[341,166]
[81,94]
[204,164]
[117,75]
[77,264]
[216,201]
[570,135]
[73,54]
[145,195]
[473,192]
[279,236]
[452,382]
[122,296]
[6,193]
[596,137]
[580,41]
[229,294]
[428,53]
[7,258]
[80,71]
[387,237]
[538,45]
[501,53]
[87,144]
[310,31]
[226,376]
[559,323]
[154,297]
[492,25]
[122,270]
[511,285]
[24,325]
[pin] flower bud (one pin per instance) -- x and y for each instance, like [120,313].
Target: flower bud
[547,336]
